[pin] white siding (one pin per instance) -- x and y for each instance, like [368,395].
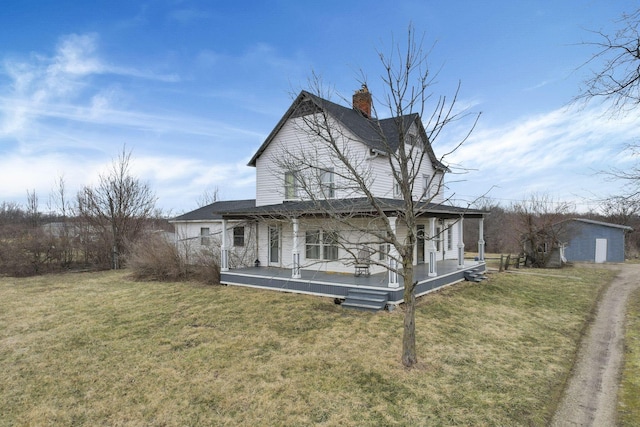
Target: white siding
[290,142]
[188,241]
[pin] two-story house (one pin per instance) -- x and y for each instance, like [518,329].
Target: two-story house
[313,213]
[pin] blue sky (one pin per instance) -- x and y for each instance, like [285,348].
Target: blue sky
[194,87]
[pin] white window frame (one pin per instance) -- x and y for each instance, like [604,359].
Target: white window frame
[327,184]
[237,236]
[291,190]
[396,190]
[205,236]
[321,245]
[426,186]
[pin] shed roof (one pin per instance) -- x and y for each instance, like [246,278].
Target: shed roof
[594,222]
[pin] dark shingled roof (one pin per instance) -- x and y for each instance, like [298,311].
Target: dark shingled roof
[359,206]
[380,135]
[214,210]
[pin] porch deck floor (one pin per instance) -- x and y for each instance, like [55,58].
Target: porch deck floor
[378,280]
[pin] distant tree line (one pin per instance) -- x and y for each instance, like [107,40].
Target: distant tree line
[521,227]
[95,228]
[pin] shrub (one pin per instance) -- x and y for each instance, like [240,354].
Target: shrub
[153,257]
[206,267]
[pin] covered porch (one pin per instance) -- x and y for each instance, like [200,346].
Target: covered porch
[337,285]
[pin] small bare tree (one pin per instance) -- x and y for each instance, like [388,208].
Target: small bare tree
[538,222]
[336,169]
[117,208]
[210,195]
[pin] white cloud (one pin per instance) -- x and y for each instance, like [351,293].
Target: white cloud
[559,153]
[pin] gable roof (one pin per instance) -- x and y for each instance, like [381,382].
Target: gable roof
[214,211]
[379,135]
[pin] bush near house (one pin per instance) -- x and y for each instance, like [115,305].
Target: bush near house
[154,257]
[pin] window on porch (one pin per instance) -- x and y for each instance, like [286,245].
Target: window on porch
[204,236]
[238,236]
[321,244]
[450,238]
[383,250]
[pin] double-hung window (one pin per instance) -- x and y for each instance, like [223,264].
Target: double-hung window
[312,242]
[204,236]
[383,250]
[330,245]
[426,190]
[327,184]
[290,186]
[320,244]
[238,236]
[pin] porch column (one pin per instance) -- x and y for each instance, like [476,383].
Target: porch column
[295,253]
[393,257]
[224,250]
[481,240]
[460,243]
[431,247]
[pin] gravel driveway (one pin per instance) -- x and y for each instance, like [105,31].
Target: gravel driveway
[591,395]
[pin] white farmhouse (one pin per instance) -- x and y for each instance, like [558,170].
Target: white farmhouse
[292,230]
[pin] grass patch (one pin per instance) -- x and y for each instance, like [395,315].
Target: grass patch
[629,392]
[99,349]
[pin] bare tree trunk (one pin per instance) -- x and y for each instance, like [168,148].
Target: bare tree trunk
[409,352]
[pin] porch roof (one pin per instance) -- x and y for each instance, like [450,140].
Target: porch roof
[357,207]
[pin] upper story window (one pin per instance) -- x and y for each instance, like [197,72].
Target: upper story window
[426,186]
[397,192]
[290,186]
[327,184]
[412,139]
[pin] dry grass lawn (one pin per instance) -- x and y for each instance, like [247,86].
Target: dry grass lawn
[99,349]
[629,394]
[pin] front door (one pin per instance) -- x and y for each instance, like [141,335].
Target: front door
[274,245]
[420,242]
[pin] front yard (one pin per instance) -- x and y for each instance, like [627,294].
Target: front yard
[99,349]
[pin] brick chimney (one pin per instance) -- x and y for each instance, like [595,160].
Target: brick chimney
[362,101]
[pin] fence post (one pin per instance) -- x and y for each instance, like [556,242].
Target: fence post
[501,259]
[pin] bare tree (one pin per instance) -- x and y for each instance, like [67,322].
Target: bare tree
[60,206]
[335,167]
[33,209]
[538,222]
[618,78]
[118,207]
[210,195]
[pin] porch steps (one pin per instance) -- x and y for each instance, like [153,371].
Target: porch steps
[366,299]
[474,275]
